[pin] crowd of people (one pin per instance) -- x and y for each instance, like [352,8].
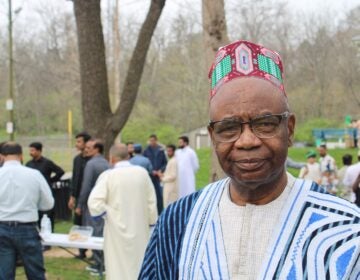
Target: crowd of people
[152,177]
[259,222]
[341,182]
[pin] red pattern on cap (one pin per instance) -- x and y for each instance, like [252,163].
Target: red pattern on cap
[242,66]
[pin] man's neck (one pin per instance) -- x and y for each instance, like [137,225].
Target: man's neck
[12,158]
[259,195]
[37,158]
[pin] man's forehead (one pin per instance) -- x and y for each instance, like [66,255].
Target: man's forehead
[90,143]
[248,88]
[248,96]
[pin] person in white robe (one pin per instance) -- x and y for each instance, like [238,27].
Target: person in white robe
[188,165]
[125,198]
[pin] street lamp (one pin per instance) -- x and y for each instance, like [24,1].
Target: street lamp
[10,127]
[10,101]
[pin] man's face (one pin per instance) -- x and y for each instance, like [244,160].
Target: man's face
[34,153]
[90,151]
[181,143]
[252,161]
[170,152]
[130,148]
[152,141]
[80,144]
[322,151]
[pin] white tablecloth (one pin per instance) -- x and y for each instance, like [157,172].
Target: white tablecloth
[62,240]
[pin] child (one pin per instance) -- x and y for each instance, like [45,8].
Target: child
[311,171]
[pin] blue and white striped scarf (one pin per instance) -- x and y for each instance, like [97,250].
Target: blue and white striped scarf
[317,237]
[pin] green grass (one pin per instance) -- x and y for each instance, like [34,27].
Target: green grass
[61,269]
[203,174]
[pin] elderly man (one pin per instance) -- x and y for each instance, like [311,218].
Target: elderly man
[260,222]
[23,192]
[94,149]
[125,196]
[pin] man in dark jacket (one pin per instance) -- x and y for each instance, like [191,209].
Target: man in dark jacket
[51,172]
[155,153]
[77,178]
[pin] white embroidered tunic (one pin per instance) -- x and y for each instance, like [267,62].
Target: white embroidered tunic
[247,231]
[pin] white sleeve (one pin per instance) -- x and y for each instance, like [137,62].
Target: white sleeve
[302,172]
[98,196]
[347,180]
[46,199]
[194,161]
[170,172]
[153,214]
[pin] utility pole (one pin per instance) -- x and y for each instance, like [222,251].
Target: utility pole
[10,102]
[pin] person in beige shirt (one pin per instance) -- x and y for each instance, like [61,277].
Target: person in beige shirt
[170,178]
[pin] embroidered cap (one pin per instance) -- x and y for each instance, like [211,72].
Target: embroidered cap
[245,59]
[311,154]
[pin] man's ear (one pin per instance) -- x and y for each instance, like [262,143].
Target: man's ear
[291,129]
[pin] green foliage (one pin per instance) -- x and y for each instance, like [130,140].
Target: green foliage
[139,132]
[203,174]
[303,132]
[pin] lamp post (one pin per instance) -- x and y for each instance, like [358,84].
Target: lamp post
[10,101]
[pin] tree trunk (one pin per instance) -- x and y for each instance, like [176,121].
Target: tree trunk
[98,119]
[214,36]
[93,74]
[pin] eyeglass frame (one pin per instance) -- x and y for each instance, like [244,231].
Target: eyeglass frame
[281,116]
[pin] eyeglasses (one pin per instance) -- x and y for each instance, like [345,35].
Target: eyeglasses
[229,130]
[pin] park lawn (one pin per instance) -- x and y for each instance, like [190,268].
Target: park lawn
[61,269]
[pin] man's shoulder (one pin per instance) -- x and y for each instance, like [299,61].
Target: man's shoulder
[47,160]
[97,159]
[330,157]
[354,167]
[172,160]
[328,200]
[28,171]
[181,208]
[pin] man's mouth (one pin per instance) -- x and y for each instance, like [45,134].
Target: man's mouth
[250,164]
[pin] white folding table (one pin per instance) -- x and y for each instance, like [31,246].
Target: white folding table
[62,241]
